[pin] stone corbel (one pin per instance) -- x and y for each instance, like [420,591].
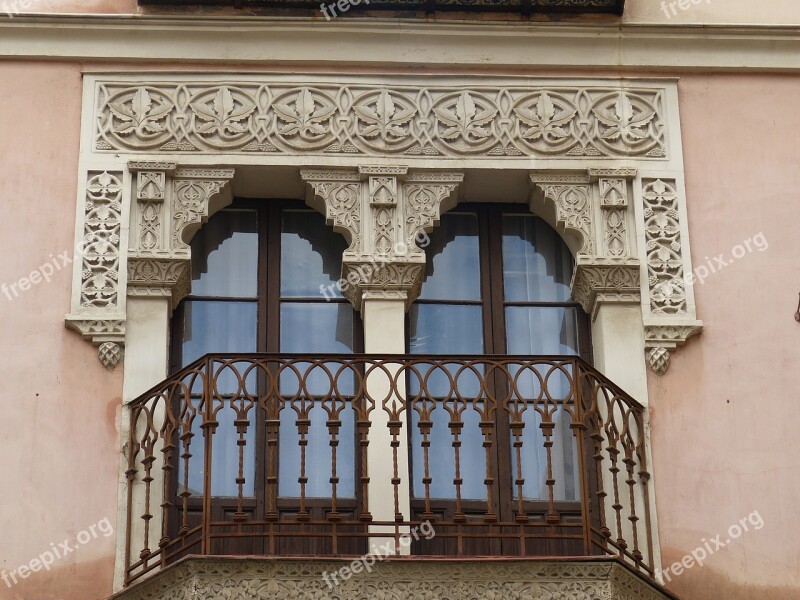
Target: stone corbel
[171,205]
[592,211]
[382,211]
[661,340]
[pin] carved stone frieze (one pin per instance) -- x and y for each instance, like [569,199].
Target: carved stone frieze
[395,579]
[272,117]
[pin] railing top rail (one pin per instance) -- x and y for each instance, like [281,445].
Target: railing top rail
[203,361]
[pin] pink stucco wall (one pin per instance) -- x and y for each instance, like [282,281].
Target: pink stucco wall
[724,417]
[58,431]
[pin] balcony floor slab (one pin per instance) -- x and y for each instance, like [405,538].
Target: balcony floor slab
[248,578]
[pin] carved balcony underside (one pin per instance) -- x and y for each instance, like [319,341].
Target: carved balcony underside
[394,579]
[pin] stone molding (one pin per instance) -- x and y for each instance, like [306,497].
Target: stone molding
[383,212]
[396,579]
[615,47]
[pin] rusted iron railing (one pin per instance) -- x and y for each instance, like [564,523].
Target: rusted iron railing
[286,455]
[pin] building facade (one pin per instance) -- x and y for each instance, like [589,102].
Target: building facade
[398,300]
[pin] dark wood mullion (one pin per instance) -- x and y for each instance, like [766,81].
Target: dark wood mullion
[261,344]
[496,314]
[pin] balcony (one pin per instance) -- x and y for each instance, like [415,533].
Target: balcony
[295,464]
[524,7]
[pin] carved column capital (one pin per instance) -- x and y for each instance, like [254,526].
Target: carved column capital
[598,281]
[383,212]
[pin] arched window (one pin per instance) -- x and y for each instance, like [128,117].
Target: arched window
[258,270]
[496,283]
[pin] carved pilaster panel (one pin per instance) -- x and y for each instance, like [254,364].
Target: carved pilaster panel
[97,306]
[662,229]
[612,192]
[101,241]
[150,218]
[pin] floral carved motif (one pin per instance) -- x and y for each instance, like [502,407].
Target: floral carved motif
[101,240]
[572,198]
[663,247]
[361,119]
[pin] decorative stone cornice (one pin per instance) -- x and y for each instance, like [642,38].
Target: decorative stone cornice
[396,579]
[383,212]
[256,40]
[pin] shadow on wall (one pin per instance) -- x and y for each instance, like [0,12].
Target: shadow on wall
[708,584]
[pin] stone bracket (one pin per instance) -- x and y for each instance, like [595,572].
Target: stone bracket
[661,340]
[384,213]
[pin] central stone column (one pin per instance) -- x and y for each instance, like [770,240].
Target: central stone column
[384,213]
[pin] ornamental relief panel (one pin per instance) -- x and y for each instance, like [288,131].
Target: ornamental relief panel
[623,223]
[402,120]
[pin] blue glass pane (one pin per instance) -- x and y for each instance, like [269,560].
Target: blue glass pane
[214,326]
[225,256]
[453,268]
[542,330]
[311,256]
[441,455]
[319,456]
[537,265]
[563,458]
[445,329]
